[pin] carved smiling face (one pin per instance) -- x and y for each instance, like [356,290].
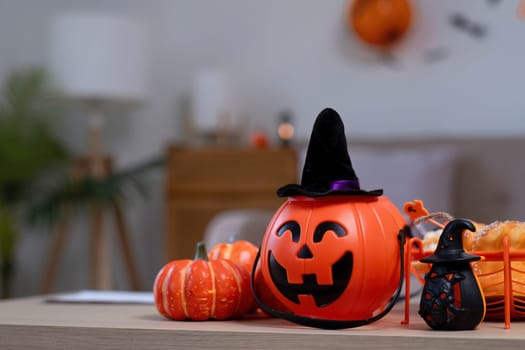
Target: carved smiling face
[325,283]
[333,257]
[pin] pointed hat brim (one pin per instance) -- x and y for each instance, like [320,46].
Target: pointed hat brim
[327,169]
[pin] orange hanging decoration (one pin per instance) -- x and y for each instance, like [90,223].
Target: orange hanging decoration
[521,10]
[381,23]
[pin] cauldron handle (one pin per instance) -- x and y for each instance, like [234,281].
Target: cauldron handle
[336,324]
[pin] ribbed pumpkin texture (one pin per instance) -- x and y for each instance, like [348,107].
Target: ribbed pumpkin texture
[201,290]
[335,257]
[241,252]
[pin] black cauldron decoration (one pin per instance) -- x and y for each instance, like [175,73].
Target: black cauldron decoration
[452,298]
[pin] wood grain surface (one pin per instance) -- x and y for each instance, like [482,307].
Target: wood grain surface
[32,323]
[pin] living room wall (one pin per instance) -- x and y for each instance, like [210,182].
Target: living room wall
[298,55]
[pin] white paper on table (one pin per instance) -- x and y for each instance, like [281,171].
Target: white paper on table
[103,297]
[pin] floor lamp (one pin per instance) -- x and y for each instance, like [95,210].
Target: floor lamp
[97,59]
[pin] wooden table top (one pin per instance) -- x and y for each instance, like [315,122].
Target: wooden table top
[33,323]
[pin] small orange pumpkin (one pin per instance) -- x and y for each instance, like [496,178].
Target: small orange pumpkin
[242,252]
[202,289]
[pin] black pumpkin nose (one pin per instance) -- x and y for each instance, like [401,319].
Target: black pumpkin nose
[305,253]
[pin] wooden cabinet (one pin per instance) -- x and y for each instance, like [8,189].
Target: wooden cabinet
[201,182]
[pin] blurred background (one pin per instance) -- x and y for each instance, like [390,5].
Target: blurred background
[431,100]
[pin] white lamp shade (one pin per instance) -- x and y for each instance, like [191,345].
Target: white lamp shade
[99,56]
[212,99]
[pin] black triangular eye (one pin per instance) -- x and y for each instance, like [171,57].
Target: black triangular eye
[326,226]
[291,226]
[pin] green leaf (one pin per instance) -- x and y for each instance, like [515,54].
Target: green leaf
[28,146]
[82,193]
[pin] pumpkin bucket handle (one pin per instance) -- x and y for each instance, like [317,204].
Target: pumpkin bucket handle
[336,324]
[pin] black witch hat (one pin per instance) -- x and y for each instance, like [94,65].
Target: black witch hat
[450,245]
[327,169]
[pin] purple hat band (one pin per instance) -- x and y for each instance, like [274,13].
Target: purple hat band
[345,185]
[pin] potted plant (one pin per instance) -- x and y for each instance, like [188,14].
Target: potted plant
[29,147]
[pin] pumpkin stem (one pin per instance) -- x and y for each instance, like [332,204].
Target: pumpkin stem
[200,252]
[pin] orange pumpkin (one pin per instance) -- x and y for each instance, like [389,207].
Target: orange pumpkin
[332,253]
[242,252]
[381,23]
[334,257]
[202,289]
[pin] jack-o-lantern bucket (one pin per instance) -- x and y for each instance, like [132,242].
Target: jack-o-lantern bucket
[332,253]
